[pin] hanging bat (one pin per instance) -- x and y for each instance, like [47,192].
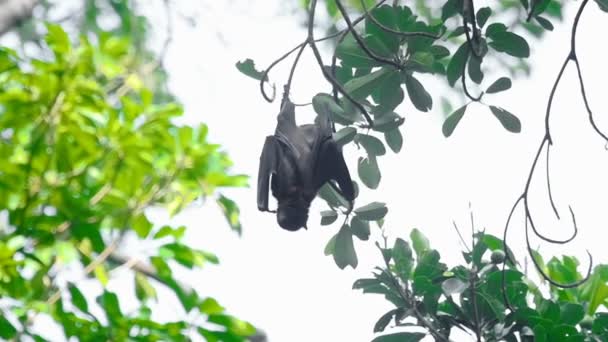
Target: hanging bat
[300,160]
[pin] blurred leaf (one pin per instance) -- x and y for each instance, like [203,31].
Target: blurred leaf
[511,44]
[247,67]
[457,63]
[420,242]
[360,228]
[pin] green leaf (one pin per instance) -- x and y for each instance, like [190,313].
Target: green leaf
[325,105]
[345,135]
[344,252]
[141,225]
[143,288]
[419,96]
[457,64]
[384,321]
[248,68]
[482,16]
[404,263]
[360,228]
[351,55]
[7,330]
[210,306]
[499,85]
[328,217]
[330,247]
[109,302]
[400,337]
[231,212]
[509,121]
[369,172]
[361,87]
[388,122]
[603,4]
[495,29]
[546,24]
[394,140]
[78,298]
[371,144]
[58,40]
[510,43]
[439,51]
[572,313]
[474,69]
[372,212]
[452,121]
[420,242]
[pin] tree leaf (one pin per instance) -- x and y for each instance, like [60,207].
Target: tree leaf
[420,242]
[404,263]
[482,16]
[474,69]
[603,4]
[452,121]
[499,85]
[7,330]
[344,250]
[363,86]
[325,105]
[546,24]
[78,298]
[495,29]
[345,135]
[457,63]
[419,96]
[387,122]
[360,228]
[328,217]
[400,337]
[510,43]
[247,67]
[369,172]
[572,313]
[394,139]
[371,144]
[384,321]
[372,212]
[509,121]
[330,247]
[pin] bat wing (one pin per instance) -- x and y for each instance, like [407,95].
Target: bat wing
[331,165]
[269,162]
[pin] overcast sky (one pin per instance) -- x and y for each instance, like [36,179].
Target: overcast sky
[281,281]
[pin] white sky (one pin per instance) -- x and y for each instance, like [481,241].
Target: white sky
[281,281]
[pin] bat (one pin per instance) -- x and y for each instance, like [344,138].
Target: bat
[296,162]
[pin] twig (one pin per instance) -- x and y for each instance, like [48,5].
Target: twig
[328,75]
[393,31]
[360,41]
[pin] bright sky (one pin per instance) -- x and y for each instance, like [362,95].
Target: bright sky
[281,281]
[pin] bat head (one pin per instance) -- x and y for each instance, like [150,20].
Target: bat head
[292,218]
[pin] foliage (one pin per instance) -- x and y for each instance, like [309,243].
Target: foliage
[88,149]
[426,293]
[384,59]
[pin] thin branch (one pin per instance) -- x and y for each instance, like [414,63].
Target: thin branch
[360,41]
[328,76]
[546,276]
